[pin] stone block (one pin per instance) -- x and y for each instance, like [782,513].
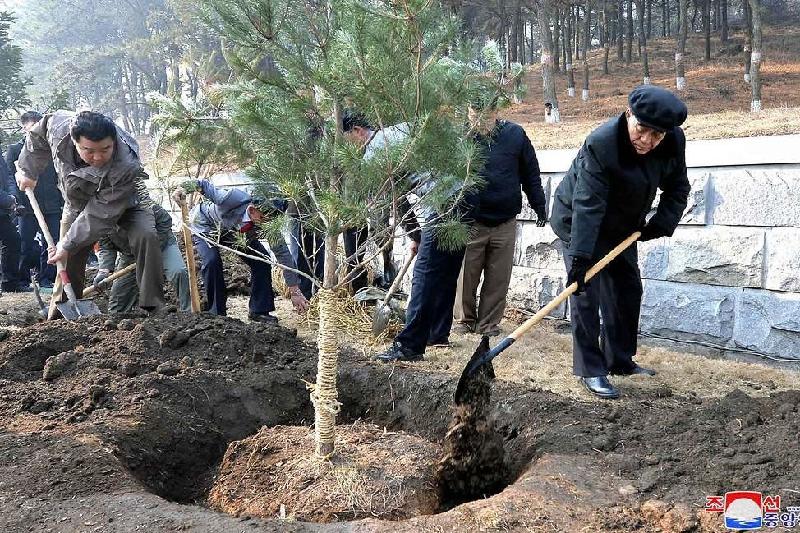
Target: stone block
[537,247]
[756,197]
[783,259]
[532,288]
[688,311]
[695,213]
[768,322]
[717,255]
[653,258]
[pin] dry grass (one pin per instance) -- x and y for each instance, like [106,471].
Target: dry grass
[717,97]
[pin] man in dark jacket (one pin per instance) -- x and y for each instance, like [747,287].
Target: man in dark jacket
[509,164]
[10,279]
[50,201]
[604,197]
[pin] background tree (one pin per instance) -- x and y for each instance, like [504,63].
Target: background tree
[568,46]
[587,41]
[756,56]
[643,42]
[12,83]
[551,112]
[680,45]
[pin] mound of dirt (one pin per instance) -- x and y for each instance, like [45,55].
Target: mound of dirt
[374,473]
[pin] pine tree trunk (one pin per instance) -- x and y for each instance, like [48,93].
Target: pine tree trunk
[707,28]
[565,29]
[513,37]
[680,48]
[620,30]
[324,395]
[577,28]
[606,37]
[756,57]
[629,33]
[663,18]
[552,114]
[669,18]
[587,35]
[649,8]
[723,32]
[568,64]
[640,13]
[748,40]
[695,4]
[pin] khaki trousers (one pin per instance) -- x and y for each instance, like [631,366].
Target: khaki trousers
[490,252]
[138,226]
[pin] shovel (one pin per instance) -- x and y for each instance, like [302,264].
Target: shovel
[383,311]
[72,308]
[188,247]
[484,355]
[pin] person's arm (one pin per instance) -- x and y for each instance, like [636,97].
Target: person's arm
[284,256]
[531,180]
[589,202]
[674,196]
[34,156]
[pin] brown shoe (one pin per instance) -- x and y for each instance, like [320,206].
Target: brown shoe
[492,331]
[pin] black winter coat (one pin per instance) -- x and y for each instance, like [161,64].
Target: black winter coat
[609,189]
[510,163]
[47,193]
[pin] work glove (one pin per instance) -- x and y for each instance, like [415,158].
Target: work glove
[101,275]
[652,231]
[577,273]
[541,217]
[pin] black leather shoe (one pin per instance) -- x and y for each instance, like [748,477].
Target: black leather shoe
[265,318]
[601,387]
[398,353]
[635,370]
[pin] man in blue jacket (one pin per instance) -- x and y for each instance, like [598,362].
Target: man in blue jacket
[509,165]
[603,198]
[224,217]
[50,201]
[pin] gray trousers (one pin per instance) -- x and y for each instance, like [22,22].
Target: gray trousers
[490,252]
[138,226]
[125,292]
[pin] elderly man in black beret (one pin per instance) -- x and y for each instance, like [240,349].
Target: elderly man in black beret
[604,197]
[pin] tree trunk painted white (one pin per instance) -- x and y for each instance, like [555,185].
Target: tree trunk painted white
[680,45]
[553,116]
[571,92]
[680,83]
[548,78]
[756,56]
[646,80]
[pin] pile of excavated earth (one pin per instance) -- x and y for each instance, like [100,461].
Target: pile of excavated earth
[185,422]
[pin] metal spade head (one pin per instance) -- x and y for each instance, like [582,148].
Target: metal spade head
[469,372]
[78,308]
[380,317]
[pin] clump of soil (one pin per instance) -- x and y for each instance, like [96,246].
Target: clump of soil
[473,465]
[374,473]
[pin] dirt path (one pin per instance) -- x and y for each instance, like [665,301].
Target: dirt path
[118,424]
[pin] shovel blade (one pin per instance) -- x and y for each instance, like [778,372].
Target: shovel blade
[78,309]
[380,318]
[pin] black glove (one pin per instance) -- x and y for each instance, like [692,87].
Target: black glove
[652,231]
[541,217]
[577,273]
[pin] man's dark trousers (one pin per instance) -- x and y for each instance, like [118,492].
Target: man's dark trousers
[9,260]
[354,243]
[34,256]
[262,299]
[616,292]
[433,293]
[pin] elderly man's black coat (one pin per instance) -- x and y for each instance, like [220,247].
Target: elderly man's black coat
[609,189]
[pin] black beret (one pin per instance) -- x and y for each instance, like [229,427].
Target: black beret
[656,108]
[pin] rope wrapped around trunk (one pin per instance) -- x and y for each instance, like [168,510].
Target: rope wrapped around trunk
[324,395]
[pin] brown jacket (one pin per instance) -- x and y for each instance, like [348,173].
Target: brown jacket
[95,198]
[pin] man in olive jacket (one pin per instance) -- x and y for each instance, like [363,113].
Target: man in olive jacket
[98,170]
[604,197]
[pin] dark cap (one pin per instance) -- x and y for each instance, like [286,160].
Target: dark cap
[656,108]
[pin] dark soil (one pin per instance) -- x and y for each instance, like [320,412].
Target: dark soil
[473,465]
[116,422]
[375,473]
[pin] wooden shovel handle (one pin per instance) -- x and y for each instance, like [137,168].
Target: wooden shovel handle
[194,291]
[116,275]
[566,293]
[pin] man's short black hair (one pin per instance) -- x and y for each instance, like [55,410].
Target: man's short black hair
[352,118]
[30,116]
[92,126]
